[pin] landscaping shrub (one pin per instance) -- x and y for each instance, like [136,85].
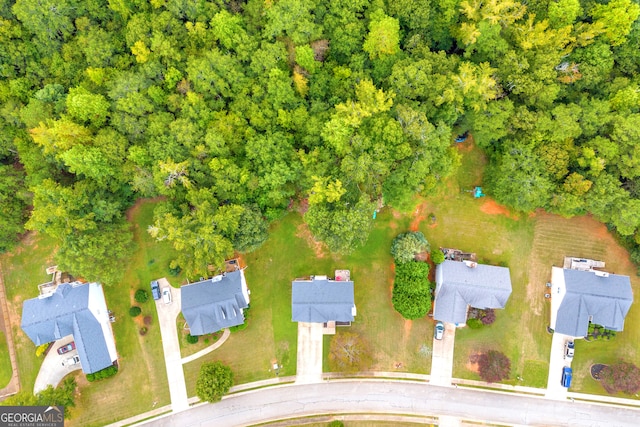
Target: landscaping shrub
[336,423]
[174,271]
[488,316]
[620,377]
[41,349]
[135,311]
[244,325]
[474,323]
[102,374]
[192,339]
[437,256]
[143,331]
[141,296]
[411,290]
[147,320]
[494,366]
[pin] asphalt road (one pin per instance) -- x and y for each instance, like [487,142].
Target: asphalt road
[398,397]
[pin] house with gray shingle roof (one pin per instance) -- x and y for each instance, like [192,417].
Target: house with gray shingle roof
[464,284]
[214,304]
[322,300]
[588,296]
[77,309]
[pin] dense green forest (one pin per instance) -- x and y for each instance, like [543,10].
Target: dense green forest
[233,111]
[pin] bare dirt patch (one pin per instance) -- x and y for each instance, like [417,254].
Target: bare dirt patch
[472,363]
[491,207]
[419,215]
[304,233]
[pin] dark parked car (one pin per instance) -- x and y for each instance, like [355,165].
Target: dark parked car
[67,348]
[155,289]
[439,332]
[566,376]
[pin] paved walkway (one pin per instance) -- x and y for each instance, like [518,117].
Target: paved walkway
[167,315]
[5,324]
[309,368]
[225,334]
[442,357]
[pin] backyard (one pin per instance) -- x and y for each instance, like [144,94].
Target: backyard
[528,245]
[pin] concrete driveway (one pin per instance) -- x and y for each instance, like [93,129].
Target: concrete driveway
[167,314]
[556,363]
[51,371]
[309,369]
[442,357]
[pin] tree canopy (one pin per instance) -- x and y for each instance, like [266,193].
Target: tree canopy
[232,110]
[214,381]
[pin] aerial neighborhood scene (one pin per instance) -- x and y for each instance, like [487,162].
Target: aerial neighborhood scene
[324,213]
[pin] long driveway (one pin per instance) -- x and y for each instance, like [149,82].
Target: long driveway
[398,397]
[309,366]
[51,371]
[167,315]
[442,357]
[555,390]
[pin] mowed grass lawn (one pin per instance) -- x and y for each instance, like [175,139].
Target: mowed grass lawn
[5,362]
[141,383]
[271,335]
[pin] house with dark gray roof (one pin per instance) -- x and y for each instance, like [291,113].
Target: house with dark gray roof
[77,309]
[580,297]
[464,284]
[214,304]
[322,300]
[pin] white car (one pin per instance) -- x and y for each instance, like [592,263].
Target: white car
[166,295]
[71,361]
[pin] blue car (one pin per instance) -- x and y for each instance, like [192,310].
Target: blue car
[566,376]
[155,289]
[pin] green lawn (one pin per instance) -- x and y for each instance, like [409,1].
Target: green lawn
[141,383]
[5,362]
[23,270]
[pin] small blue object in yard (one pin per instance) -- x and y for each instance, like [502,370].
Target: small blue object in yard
[463,137]
[374,214]
[478,192]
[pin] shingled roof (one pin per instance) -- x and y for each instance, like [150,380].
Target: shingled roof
[322,300]
[214,304]
[73,309]
[603,298]
[460,285]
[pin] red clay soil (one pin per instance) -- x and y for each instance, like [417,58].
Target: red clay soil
[418,216]
[305,234]
[491,207]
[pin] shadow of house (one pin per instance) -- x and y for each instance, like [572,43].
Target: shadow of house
[77,309]
[214,304]
[584,297]
[460,285]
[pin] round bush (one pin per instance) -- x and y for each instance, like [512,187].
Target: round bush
[141,296]
[135,311]
[147,320]
[474,323]
[192,339]
[143,330]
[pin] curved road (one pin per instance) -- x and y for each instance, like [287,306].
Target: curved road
[397,397]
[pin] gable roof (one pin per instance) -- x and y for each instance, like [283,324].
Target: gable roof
[459,286]
[72,310]
[214,304]
[322,300]
[605,298]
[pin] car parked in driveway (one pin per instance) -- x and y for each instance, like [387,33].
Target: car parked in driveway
[569,348]
[155,289]
[71,361]
[166,295]
[567,373]
[439,331]
[67,348]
